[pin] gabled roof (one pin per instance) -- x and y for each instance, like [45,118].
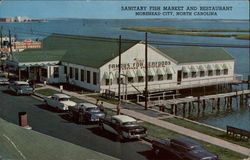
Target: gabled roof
[39,55]
[88,51]
[196,54]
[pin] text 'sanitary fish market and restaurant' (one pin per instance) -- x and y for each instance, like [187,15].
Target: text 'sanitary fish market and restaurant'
[92,63]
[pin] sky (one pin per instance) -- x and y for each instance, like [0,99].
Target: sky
[113,9]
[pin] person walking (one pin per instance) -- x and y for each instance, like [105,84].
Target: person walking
[101,107]
[118,109]
[97,102]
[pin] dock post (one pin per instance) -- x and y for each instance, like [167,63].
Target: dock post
[184,109]
[231,102]
[172,108]
[199,105]
[218,104]
[241,100]
[204,105]
[175,109]
[248,86]
[189,108]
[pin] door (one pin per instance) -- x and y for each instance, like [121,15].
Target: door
[179,76]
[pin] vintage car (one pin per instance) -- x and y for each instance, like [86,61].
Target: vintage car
[3,79]
[59,101]
[85,112]
[124,126]
[20,87]
[182,149]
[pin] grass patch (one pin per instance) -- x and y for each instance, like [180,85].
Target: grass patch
[98,96]
[207,130]
[109,111]
[156,132]
[47,91]
[50,92]
[205,32]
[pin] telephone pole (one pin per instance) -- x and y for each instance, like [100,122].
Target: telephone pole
[146,71]
[10,43]
[119,76]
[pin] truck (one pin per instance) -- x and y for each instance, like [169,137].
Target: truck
[182,149]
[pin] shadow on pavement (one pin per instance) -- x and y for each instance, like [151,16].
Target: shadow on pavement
[9,92]
[51,109]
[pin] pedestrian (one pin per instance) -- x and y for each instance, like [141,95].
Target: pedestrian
[97,102]
[118,109]
[101,107]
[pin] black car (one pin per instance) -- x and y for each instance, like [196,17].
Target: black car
[124,126]
[183,149]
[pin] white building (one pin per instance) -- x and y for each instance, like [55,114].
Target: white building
[92,63]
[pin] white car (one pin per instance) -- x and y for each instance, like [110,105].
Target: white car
[59,101]
[3,79]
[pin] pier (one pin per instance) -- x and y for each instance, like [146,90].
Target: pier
[199,104]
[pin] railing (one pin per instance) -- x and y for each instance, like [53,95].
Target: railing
[238,132]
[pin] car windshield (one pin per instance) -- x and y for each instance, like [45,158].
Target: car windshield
[196,149]
[24,86]
[133,123]
[64,99]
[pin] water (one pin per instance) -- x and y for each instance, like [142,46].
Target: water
[112,28]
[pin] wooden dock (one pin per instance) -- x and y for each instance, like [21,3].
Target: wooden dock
[186,104]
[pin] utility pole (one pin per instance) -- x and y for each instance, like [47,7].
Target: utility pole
[119,78]
[1,40]
[10,44]
[146,71]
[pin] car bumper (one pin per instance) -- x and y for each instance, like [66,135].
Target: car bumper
[137,136]
[4,82]
[24,92]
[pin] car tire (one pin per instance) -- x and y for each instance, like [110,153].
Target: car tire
[121,138]
[156,150]
[101,127]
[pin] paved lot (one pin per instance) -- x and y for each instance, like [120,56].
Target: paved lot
[47,121]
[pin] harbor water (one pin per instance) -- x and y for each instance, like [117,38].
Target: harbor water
[239,117]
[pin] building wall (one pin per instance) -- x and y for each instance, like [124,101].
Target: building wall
[81,81]
[133,60]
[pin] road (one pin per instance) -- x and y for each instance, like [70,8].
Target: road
[45,120]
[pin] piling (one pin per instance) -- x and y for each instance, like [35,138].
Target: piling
[184,109]
[218,104]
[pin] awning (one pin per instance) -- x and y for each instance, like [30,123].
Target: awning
[224,66]
[217,67]
[209,67]
[105,75]
[201,68]
[193,69]
[130,73]
[160,71]
[151,72]
[185,69]
[169,71]
[117,74]
[140,73]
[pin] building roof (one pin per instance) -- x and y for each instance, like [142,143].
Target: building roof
[39,55]
[196,54]
[88,51]
[34,145]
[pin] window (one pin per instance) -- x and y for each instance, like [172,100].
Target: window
[217,72]
[150,78]
[65,70]
[44,72]
[70,72]
[56,72]
[225,71]
[121,80]
[193,74]
[106,82]
[140,79]
[185,75]
[160,77]
[88,76]
[202,74]
[130,80]
[210,72]
[82,75]
[169,77]
[76,74]
[94,78]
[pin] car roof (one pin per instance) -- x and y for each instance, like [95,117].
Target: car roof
[186,142]
[123,118]
[87,105]
[21,82]
[59,95]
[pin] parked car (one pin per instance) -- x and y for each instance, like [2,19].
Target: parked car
[20,87]
[3,79]
[124,126]
[85,112]
[59,101]
[183,149]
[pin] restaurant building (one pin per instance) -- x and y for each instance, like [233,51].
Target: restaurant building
[92,63]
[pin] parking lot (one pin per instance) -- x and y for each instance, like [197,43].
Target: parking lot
[46,120]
